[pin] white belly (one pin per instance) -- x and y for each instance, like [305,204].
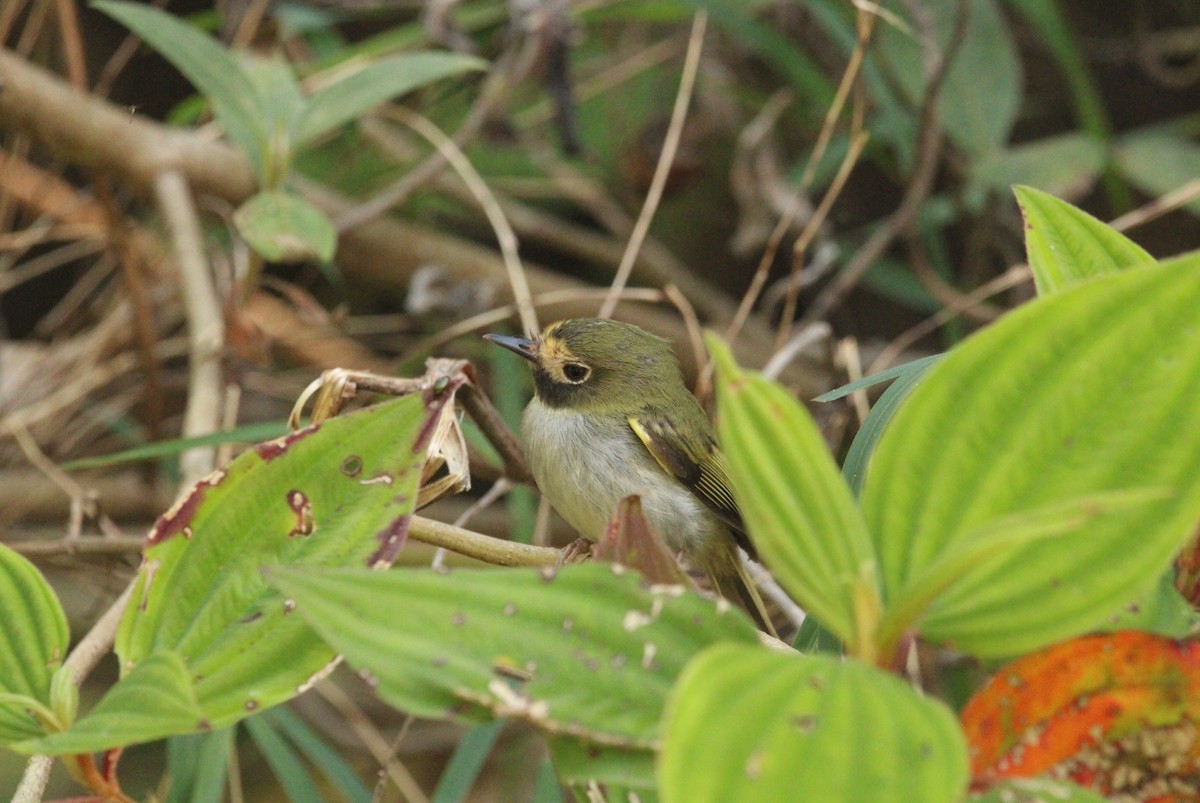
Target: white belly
[585,483]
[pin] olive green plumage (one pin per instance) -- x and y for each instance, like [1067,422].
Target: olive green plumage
[612,417]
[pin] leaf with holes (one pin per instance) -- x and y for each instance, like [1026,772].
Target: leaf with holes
[1117,713]
[751,724]
[33,643]
[588,653]
[337,494]
[1084,393]
[1067,245]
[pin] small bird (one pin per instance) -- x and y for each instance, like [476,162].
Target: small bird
[611,417]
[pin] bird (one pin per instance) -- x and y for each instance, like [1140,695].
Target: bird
[611,417]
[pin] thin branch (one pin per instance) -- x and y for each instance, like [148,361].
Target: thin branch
[206,326]
[865,26]
[1176,198]
[929,140]
[683,99]
[505,236]
[482,547]
[1014,276]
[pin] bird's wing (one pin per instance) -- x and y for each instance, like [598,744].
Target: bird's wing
[700,467]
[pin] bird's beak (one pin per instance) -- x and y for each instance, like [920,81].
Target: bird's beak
[526,348]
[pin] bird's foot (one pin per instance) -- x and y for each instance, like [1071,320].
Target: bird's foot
[577,551]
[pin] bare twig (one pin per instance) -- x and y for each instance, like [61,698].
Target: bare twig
[1176,198]
[482,547]
[929,141]
[1011,278]
[683,99]
[206,327]
[865,25]
[505,236]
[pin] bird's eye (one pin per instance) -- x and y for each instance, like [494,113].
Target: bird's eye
[576,372]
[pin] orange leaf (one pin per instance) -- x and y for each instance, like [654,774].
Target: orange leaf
[1117,712]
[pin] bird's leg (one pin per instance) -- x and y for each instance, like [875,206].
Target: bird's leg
[578,551]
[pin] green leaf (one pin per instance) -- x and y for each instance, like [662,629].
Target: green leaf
[33,643]
[580,762]
[1037,790]
[981,93]
[798,509]
[156,699]
[746,723]
[283,227]
[212,69]
[886,375]
[872,429]
[1158,163]
[546,788]
[197,764]
[813,637]
[283,106]
[336,494]
[345,99]
[1162,611]
[1067,246]
[285,764]
[466,762]
[248,433]
[590,652]
[997,540]
[322,755]
[1067,164]
[1085,392]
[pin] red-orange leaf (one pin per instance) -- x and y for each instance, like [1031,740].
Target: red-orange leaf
[1118,713]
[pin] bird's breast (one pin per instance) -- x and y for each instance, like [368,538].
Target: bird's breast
[586,464]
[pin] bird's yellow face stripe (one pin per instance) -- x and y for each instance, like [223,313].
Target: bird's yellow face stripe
[553,354]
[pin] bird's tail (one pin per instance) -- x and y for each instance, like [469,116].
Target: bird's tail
[732,581]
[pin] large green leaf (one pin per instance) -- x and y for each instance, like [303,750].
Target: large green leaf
[33,643]
[1087,392]
[751,724]
[981,93]
[798,509]
[156,699]
[337,494]
[236,100]
[345,99]
[1067,246]
[588,653]
[283,227]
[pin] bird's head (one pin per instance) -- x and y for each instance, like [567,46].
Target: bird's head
[592,363]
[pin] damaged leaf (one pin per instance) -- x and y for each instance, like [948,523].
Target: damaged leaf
[1117,713]
[337,494]
[587,654]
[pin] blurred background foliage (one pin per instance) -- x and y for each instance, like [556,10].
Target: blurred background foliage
[909,238]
